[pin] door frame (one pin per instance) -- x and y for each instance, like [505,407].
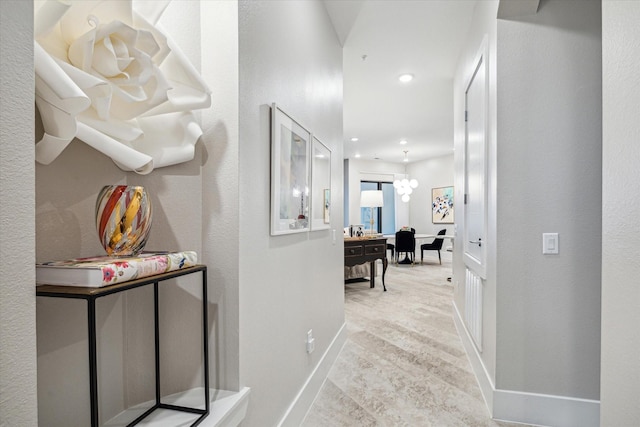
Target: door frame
[481,59]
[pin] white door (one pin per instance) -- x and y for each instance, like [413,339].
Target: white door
[475,171]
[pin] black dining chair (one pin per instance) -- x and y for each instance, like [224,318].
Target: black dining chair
[436,245]
[406,243]
[391,247]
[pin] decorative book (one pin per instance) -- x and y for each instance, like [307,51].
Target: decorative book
[96,272]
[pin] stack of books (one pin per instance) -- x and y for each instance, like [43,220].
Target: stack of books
[102,271]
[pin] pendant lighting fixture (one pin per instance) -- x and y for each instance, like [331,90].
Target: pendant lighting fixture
[405,186]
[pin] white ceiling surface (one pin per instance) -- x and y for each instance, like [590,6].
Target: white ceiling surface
[421,37]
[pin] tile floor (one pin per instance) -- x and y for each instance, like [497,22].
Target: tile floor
[403,363]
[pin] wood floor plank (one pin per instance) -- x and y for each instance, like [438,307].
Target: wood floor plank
[403,363]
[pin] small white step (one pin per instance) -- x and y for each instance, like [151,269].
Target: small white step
[227,409]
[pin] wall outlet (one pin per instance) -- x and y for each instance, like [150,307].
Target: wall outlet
[311,342]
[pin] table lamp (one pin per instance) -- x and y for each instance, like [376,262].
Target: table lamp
[371,199]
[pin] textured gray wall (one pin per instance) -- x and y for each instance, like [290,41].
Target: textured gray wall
[549,180]
[620,379]
[18,404]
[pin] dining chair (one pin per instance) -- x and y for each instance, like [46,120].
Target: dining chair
[436,245]
[406,243]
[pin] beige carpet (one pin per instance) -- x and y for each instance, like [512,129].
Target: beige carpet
[403,363]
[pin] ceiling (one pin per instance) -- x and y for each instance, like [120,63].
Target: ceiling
[383,39]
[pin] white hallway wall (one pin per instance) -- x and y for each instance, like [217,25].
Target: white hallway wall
[220,175]
[620,367]
[431,173]
[544,150]
[290,55]
[549,180]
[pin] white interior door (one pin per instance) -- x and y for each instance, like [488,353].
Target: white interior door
[475,171]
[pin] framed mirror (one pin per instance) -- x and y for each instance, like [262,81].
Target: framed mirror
[290,166]
[320,185]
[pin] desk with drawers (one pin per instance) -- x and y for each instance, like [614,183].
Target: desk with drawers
[359,250]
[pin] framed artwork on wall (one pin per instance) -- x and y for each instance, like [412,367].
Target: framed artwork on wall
[290,177]
[320,185]
[442,211]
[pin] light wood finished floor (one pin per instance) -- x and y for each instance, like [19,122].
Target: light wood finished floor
[403,363]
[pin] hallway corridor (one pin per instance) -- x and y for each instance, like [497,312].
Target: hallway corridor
[403,363]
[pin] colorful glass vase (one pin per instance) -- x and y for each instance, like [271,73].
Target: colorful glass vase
[123,219]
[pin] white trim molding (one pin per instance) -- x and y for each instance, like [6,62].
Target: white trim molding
[545,410]
[523,407]
[511,9]
[298,409]
[484,381]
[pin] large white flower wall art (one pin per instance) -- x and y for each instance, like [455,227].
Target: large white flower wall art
[108,75]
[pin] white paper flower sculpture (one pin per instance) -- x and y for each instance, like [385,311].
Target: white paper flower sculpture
[108,75]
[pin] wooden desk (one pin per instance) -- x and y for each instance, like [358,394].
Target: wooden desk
[359,250]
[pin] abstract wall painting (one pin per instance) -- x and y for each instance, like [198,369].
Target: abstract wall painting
[442,211]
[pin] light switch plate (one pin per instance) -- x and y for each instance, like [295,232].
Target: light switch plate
[550,243]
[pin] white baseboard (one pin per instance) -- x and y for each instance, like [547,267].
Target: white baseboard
[228,409]
[482,375]
[522,407]
[545,410]
[298,409]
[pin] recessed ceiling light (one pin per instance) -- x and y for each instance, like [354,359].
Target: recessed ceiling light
[354,139]
[357,156]
[405,78]
[403,141]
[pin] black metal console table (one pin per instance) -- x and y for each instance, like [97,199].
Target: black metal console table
[90,294]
